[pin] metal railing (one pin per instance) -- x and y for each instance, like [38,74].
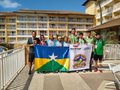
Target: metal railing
[112,52]
[11,63]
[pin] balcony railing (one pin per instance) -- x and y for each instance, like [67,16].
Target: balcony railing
[11,63]
[104,2]
[116,7]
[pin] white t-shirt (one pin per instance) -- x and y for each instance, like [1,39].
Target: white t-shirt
[65,44]
[50,43]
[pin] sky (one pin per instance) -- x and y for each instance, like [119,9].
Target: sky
[14,5]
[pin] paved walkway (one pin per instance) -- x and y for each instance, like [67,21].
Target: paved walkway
[62,81]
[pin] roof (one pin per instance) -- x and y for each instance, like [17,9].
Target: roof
[51,12]
[7,14]
[112,23]
[26,11]
[87,2]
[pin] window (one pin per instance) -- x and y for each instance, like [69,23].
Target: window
[62,19]
[43,32]
[11,20]
[32,25]
[61,26]
[2,20]
[89,20]
[11,33]
[53,32]
[70,26]
[42,25]
[42,18]
[2,26]
[53,26]
[71,19]
[21,25]
[32,18]
[2,33]
[52,19]
[11,27]
[2,39]
[22,18]
[80,27]
[62,33]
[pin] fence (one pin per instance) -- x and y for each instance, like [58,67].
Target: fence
[11,63]
[112,52]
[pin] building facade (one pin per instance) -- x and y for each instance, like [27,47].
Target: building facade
[110,9]
[109,12]
[18,25]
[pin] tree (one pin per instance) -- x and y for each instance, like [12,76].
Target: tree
[99,4]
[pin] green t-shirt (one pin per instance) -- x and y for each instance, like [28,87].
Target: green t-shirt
[89,40]
[73,39]
[99,46]
[81,41]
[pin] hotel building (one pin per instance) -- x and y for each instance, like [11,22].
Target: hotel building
[110,9]
[18,25]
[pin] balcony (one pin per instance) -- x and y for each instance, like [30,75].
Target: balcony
[107,11]
[105,3]
[2,34]
[116,7]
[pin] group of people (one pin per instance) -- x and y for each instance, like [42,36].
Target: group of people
[97,42]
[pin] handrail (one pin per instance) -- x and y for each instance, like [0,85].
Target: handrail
[10,65]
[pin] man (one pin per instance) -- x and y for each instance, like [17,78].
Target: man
[51,41]
[89,40]
[30,44]
[73,37]
[98,51]
[81,40]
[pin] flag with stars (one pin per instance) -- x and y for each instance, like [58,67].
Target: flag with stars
[50,59]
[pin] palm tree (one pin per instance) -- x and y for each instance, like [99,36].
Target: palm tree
[99,4]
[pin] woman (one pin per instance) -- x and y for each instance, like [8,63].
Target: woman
[42,42]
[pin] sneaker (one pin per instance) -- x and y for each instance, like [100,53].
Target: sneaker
[29,72]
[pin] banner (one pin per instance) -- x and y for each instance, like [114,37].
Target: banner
[50,59]
[80,57]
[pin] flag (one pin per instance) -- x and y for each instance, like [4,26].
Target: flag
[51,59]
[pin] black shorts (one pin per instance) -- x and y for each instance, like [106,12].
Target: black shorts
[98,57]
[31,57]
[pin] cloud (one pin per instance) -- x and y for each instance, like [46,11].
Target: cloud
[9,4]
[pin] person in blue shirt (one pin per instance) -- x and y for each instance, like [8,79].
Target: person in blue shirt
[59,42]
[50,41]
[66,41]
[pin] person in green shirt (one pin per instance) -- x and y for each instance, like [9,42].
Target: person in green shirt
[73,37]
[89,40]
[98,51]
[81,40]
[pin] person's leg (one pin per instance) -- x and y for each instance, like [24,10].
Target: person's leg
[100,60]
[30,67]
[91,62]
[31,58]
[96,62]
